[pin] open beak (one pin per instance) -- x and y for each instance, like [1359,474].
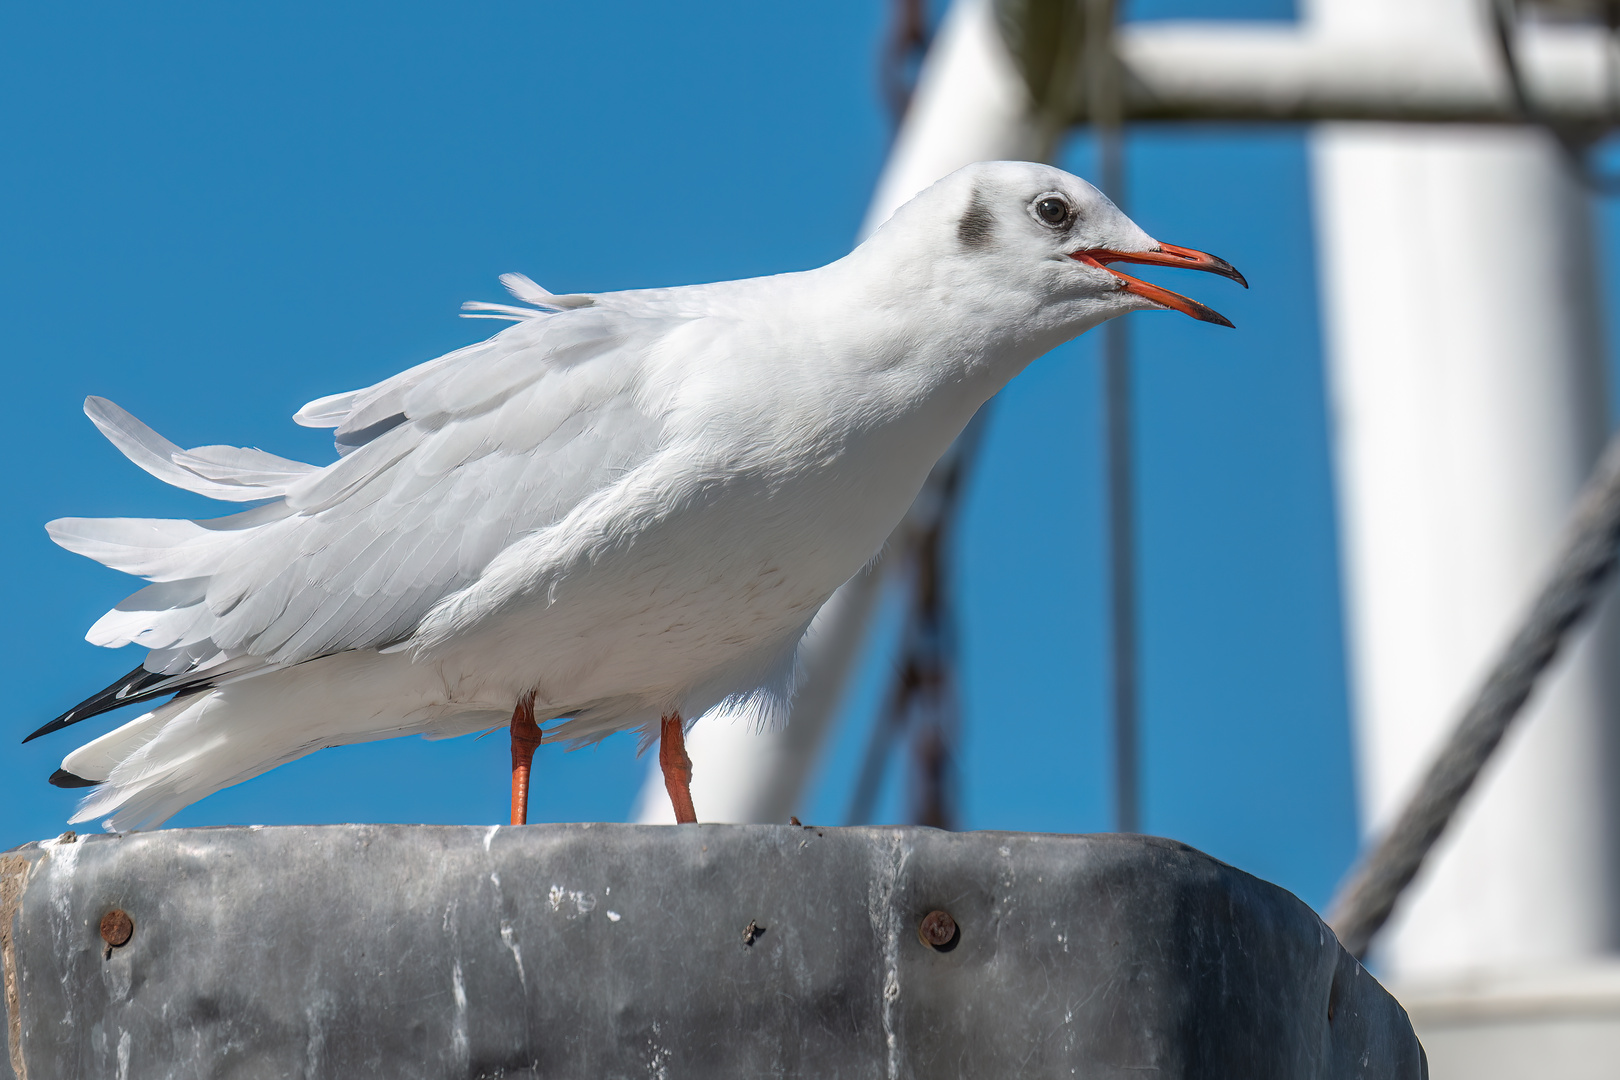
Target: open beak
[1165,255]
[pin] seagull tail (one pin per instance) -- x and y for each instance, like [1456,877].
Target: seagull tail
[141,774]
[148,770]
[144,772]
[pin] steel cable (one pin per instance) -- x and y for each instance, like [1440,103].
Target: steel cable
[1369,895]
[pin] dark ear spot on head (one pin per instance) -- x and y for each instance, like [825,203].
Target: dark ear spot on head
[976,225]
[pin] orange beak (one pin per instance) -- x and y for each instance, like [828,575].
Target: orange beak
[1165,255]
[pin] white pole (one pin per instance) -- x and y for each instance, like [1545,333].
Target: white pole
[1466,374]
[970,105]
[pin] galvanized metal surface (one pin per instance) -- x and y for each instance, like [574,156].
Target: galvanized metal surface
[702,951]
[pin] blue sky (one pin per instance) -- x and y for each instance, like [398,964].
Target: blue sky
[214,213]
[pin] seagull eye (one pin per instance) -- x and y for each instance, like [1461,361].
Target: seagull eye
[1052,210]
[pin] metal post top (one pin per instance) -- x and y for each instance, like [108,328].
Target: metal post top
[706,951]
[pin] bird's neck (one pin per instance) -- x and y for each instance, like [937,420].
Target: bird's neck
[950,327]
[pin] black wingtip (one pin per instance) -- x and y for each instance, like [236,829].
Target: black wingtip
[63,778]
[55,725]
[137,686]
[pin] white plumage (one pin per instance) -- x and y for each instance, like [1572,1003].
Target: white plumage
[629,504]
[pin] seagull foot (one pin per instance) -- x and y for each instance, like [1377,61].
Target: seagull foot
[525,740]
[677,766]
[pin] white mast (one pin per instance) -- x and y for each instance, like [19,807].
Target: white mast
[1469,404]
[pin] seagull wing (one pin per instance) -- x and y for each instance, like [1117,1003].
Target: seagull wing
[443,467]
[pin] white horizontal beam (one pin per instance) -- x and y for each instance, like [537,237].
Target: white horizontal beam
[1237,72]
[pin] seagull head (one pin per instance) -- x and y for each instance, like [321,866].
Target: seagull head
[1041,245]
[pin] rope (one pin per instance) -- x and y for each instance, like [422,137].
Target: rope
[902,56]
[1575,146]
[1369,895]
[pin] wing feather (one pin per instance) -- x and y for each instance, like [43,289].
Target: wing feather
[446,465]
[230,473]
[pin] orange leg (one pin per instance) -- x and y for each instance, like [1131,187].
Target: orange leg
[677,769]
[525,738]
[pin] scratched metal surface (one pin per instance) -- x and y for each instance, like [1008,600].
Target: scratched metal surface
[620,951]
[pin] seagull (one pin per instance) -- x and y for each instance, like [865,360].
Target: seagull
[620,513]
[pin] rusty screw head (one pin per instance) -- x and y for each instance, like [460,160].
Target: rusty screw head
[116,927]
[937,930]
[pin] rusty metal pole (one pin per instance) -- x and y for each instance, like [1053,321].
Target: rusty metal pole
[1105,108]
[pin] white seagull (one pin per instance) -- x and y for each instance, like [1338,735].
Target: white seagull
[620,513]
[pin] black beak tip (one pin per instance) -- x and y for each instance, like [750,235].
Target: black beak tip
[1205,313]
[55,725]
[1227,270]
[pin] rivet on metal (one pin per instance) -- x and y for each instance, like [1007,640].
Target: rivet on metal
[116,928]
[937,930]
